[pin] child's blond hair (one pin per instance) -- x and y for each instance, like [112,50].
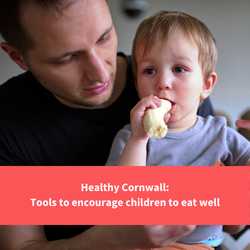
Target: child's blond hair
[164,23]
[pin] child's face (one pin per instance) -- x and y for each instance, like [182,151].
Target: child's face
[172,71]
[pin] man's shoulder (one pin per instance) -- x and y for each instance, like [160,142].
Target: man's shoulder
[14,85]
[206,108]
[124,65]
[125,81]
[124,69]
[22,92]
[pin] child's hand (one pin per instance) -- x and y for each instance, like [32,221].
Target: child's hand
[137,114]
[154,122]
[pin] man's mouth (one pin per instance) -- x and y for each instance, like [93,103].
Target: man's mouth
[98,90]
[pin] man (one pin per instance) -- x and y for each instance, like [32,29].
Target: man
[73,58]
[66,109]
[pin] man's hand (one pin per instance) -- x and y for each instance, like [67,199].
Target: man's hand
[243,124]
[95,238]
[233,229]
[134,237]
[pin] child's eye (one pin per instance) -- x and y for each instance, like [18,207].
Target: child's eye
[179,70]
[149,71]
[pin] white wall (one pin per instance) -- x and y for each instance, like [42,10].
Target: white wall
[228,20]
[7,67]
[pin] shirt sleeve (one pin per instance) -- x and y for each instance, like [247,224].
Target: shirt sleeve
[118,145]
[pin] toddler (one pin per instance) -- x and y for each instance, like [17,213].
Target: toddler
[173,58]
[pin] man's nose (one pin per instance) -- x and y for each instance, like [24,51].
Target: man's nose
[95,69]
[164,82]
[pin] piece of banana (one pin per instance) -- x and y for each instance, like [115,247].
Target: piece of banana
[153,120]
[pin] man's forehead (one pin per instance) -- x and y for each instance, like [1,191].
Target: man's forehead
[80,26]
[56,6]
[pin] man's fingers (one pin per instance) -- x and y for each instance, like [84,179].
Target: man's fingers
[243,124]
[162,236]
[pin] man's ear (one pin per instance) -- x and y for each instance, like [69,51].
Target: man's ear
[14,55]
[208,85]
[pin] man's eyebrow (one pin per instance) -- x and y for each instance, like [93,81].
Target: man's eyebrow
[58,58]
[106,31]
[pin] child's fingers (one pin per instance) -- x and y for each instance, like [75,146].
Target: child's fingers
[166,117]
[155,102]
[150,102]
[145,103]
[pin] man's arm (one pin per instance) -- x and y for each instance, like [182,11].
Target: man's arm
[233,229]
[97,237]
[247,163]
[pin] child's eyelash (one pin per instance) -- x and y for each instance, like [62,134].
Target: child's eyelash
[179,69]
[149,71]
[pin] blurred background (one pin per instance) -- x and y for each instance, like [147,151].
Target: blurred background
[229,22]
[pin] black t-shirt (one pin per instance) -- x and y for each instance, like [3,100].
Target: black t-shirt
[37,130]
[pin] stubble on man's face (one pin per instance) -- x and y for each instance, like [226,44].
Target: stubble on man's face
[71,84]
[65,98]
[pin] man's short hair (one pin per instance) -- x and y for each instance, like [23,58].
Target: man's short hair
[11,28]
[164,23]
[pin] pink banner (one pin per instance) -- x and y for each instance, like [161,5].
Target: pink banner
[125,195]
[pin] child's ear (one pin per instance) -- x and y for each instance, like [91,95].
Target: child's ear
[208,86]
[14,55]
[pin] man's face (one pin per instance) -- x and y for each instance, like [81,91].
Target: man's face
[74,56]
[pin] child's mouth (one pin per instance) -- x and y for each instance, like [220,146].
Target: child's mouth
[172,104]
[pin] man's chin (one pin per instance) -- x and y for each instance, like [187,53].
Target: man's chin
[93,104]
[88,103]
[102,100]
[99,101]
[102,103]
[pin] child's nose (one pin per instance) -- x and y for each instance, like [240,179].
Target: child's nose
[164,82]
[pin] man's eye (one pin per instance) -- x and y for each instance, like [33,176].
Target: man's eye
[179,70]
[67,59]
[104,38]
[149,71]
